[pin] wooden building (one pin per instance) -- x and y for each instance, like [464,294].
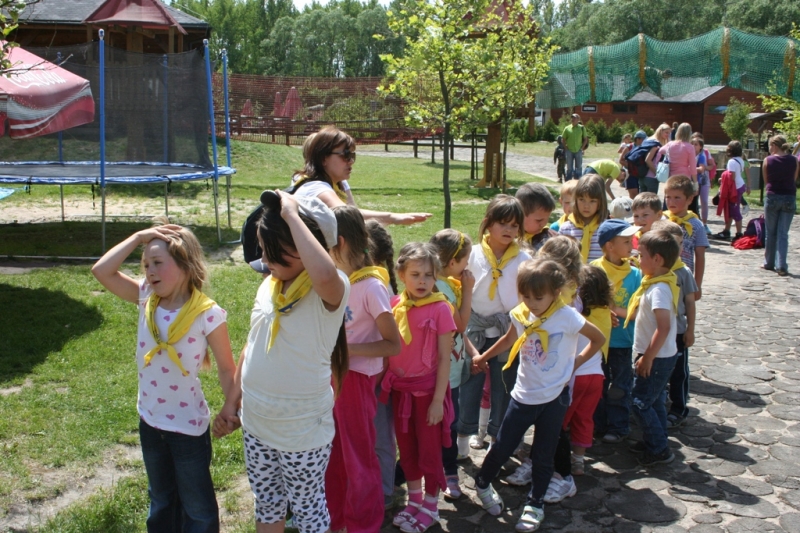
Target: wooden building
[147,26]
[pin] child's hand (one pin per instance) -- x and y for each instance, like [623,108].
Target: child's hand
[698,294]
[614,320]
[226,422]
[289,204]
[435,413]
[688,339]
[467,280]
[643,367]
[158,232]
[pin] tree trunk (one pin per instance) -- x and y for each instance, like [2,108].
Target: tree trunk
[446,151]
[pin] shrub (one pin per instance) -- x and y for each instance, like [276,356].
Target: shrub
[615,132]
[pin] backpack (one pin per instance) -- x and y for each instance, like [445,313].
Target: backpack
[249,238]
[755,228]
[637,168]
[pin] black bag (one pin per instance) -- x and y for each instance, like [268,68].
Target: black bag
[249,237]
[715,200]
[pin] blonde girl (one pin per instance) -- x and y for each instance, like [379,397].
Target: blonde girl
[177,323]
[566,197]
[662,135]
[418,382]
[590,210]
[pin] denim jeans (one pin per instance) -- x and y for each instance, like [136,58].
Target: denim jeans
[574,164]
[179,481]
[547,418]
[679,381]
[471,391]
[648,185]
[649,403]
[778,214]
[614,409]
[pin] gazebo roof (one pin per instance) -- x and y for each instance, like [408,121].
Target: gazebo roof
[75,12]
[144,13]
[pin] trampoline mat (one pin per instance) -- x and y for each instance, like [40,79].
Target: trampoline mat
[81,172]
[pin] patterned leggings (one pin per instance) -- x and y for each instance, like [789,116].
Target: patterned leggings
[277,478]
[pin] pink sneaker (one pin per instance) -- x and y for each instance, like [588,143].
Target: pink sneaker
[453,490]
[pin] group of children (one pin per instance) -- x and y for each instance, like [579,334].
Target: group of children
[576,324]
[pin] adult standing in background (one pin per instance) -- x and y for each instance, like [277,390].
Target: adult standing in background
[781,179]
[660,136]
[575,142]
[682,158]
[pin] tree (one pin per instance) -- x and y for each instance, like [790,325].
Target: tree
[464,62]
[736,119]
[9,15]
[777,102]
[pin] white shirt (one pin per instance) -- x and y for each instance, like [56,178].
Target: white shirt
[594,364]
[312,189]
[657,296]
[736,166]
[506,297]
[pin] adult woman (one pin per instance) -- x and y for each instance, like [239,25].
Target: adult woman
[329,157]
[682,157]
[736,167]
[781,177]
[649,183]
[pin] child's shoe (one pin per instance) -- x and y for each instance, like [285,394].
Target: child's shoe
[560,489]
[421,522]
[453,490]
[577,465]
[406,514]
[663,458]
[532,517]
[612,438]
[675,421]
[490,500]
[463,448]
[724,235]
[522,475]
[708,231]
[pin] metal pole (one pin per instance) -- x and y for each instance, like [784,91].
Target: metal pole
[227,131]
[60,145]
[103,135]
[165,123]
[166,199]
[61,186]
[213,134]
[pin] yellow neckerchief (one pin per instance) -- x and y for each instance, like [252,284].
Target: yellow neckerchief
[669,278]
[339,192]
[683,221]
[497,267]
[400,311]
[568,293]
[562,220]
[521,313]
[529,236]
[376,272]
[588,230]
[601,318]
[198,303]
[678,264]
[455,286]
[283,303]
[616,274]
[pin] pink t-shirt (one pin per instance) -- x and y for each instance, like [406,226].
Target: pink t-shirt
[421,357]
[682,159]
[168,400]
[369,298]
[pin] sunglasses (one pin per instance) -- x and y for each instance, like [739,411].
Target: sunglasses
[347,155]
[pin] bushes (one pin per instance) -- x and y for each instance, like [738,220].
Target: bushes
[598,131]
[518,131]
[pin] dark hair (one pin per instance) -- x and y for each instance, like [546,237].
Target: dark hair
[502,208]
[661,243]
[535,196]
[566,252]
[595,290]
[594,187]
[680,182]
[647,199]
[317,147]
[381,250]
[539,276]
[450,244]
[350,226]
[734,149]
[418,251]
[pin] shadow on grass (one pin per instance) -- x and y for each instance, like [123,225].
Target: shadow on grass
[38,322]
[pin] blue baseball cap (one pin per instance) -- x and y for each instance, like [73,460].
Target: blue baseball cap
[640,135]
[614,227]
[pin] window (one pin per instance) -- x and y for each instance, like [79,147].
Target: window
[589,108]
[717,109]
[624,108]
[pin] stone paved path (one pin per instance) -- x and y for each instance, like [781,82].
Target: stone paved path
[737,466]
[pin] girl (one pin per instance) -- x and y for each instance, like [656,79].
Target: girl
[590,210]
[296,342]
[353,478]
[494,264]
[456,283]
[736,167]
[177,323]
[544,332]
[566,197]
[418,381]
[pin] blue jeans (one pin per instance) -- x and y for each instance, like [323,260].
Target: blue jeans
[679,381]
[574,164]
[648,184]
[649,403]
[471,392]
[614,408]
[179,481]
[778,214]
[547,418]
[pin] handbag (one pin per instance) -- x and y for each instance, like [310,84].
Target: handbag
[715,200]
[662,170]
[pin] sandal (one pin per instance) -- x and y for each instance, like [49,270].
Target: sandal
[406,514]
[490,500]
[420,523]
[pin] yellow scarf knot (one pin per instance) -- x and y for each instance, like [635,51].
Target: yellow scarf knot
[455,286]
[683,221]
[497,266]
[616,273]
[669,278]
[400,311]
[588,231]
[521,314]
[376,272]
[283,303]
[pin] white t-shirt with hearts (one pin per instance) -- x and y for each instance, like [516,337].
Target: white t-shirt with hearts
[168,400]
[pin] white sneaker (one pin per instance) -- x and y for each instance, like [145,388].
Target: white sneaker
[521,476]
[559,489]
[477,441]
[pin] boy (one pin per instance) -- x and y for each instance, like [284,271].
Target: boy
[560,158]
[566,197]
[537,204]
[679,382]
[678,193]
[613,411]
[646,209]
[654,307]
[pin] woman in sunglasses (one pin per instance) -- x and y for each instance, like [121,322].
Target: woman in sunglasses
[329,156]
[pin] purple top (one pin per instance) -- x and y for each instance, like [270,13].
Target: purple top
[780,174]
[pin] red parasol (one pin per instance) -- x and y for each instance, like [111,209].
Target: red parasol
[38,97]
[292,104]
[277,106]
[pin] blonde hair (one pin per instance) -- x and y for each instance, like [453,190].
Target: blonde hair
[568,188]
[684,132]
[660,130]
[566,252]
[418,251]
[450,244]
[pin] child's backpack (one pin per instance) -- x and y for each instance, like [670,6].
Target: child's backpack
[249,238]
[637,167]
[756,228]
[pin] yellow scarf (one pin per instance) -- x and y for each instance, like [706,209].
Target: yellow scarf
[376,272]
[455,286]
[683,221]
[678,264]
[616,274]
[568,293]
[400,311]
[521,313]
[588,231]
[601,318]
[669,278]
[562,220]
[497,268]
[283,303]
[339,192]
[198,303]
[529,236]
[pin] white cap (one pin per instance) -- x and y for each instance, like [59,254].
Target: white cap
[620,208]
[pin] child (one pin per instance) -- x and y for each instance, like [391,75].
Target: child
[566,198]
[677,194]
[736,166]
[456,283]
[494,264]
[656,302]
[627,139]
[679,382]
[544,332]
[537,204]
[613,411]
[591,209]
[560,158]
[646,209]
[353,477]
[175,319]
[295,347]
[418,379]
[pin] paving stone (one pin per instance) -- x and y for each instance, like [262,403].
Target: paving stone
[696,492]
[706,387]
[585,483]
[790,440]
[744,454]
[748,506]
[690,476]
[697,430]
[761,389]
[790,522]
[792,497]
[645,506]
[784,481]
[792,375]
[790,386]
[753,525]
[759,422]
[733,411]
[787,454]
[775,467]
[764,438]
[707,518]
[729,438]
[787,398]
[581,502]
[647,483]
[706,528]
[745,486]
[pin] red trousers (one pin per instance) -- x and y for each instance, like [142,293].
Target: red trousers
[580,415]
[353,479]
[420,446]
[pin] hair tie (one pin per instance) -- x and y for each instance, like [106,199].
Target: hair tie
[366,251]
[460,245]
